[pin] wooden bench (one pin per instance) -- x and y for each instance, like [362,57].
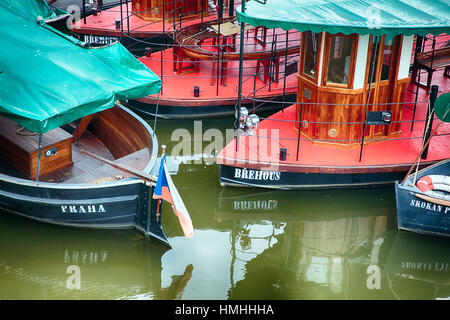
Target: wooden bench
[21,149]
[431,61]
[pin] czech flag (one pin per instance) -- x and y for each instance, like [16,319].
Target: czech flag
[165,189]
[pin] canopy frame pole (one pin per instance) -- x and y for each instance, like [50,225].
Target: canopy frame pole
[128,18]
[231,8]
[39,157]
[425,146]
[372,75]
[241,64]
[430,116]
[285,68]
[121,19]
[420,45]
[84,11]
[156,115]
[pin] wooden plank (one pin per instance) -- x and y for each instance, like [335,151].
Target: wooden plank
[433,200]
[124,168]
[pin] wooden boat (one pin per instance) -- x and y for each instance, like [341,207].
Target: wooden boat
[142,20]
[423,198]
[51,138]
[424,211]
[200,72]
[76,189]
[359,119]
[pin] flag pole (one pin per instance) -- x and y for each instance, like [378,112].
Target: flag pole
[163,151]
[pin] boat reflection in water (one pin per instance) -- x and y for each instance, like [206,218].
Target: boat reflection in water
[248,244]
[39,261]
[315,245]
[419,263]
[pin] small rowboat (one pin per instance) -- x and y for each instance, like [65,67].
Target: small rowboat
[70,154]
[424,212]
[423,198]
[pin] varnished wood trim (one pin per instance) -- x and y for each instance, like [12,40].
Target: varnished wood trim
[326,56]
[302,58]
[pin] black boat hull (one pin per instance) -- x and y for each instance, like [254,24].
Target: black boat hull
[418,215]
[241,176]
[190,111]
[126,204]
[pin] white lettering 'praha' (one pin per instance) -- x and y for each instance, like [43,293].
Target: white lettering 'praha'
[260,175]
[83,209]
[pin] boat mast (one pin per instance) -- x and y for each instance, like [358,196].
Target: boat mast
[39,157]
[241,63]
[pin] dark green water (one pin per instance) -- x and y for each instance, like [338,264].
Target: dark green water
[248,244]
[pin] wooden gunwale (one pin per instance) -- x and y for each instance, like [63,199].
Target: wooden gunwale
[140,152]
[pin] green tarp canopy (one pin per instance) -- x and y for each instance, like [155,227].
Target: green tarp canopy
[391,17]
[48,79]
[37,8]
[442,107]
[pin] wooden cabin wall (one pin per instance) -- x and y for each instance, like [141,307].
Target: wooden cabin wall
[337,131]
[155,10]
[119,132]
[335,107]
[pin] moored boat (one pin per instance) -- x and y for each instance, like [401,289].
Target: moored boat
[70,154]
[138,20]
[360,118]
[200,71]
[423,197]
[420,211]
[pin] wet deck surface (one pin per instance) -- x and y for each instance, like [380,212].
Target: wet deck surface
[64,4]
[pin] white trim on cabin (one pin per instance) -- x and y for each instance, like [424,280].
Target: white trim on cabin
[405,57]
[361,61]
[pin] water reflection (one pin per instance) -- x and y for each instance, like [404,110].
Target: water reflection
[419,267]
[248,244]
[39,261]
[306,245]
[329,245]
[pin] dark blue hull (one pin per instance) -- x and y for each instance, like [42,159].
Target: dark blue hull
[417,214]
[240,176]
[191,111]
[126,204]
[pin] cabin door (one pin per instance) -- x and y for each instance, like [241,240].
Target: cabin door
[381,71]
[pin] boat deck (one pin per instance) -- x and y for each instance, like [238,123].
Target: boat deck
[86,169]
[104,24]
[278,132]
[178,89]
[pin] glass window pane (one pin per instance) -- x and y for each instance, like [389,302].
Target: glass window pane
[387,56]
[374,60]
[339,59]
[310,53]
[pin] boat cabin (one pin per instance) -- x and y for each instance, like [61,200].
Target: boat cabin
[155,10]
[339,74]
[19,147]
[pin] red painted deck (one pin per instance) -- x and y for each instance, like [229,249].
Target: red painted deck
[179,89]
[104,24]
[254,151]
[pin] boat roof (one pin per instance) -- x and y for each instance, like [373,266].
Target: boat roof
[37,8]
[48,79]
[390,17]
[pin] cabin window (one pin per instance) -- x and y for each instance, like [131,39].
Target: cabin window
[310,54]
[387,58]
[339,59]
[373,63]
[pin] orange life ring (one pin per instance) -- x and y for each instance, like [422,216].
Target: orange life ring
[428,184]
